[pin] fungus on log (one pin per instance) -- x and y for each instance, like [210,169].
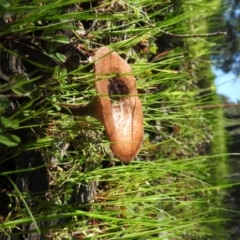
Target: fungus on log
[116,105]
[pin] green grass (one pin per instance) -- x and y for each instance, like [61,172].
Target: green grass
[172,189]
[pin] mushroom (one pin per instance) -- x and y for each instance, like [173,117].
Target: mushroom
[116,106]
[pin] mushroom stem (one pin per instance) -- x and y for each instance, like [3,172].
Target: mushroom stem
[88,109]
[76,110]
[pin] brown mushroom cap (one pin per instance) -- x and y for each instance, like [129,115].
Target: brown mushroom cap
[117,105]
